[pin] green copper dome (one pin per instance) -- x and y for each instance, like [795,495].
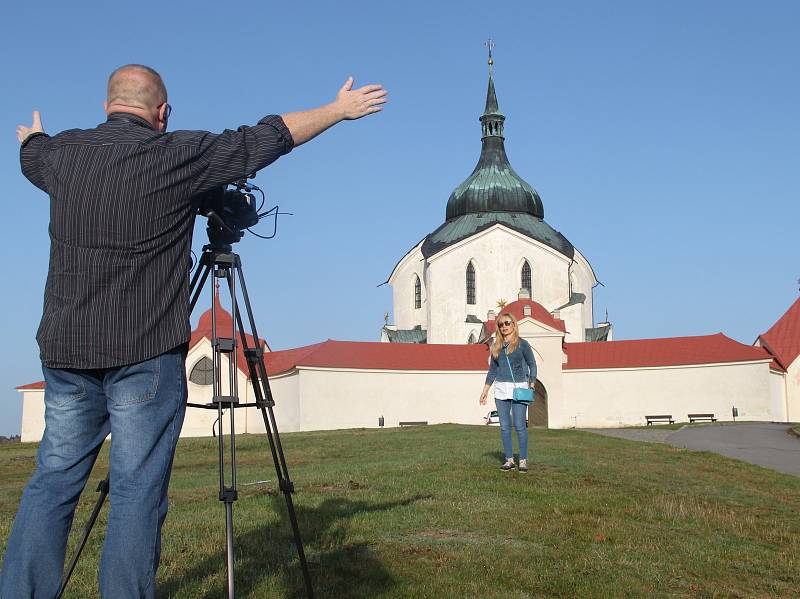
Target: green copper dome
[493,185]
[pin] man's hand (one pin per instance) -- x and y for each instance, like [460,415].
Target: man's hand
[24,132]
[349,104]
[356,103]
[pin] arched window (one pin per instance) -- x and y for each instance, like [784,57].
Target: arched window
[203,372]
[526,278]
[470,284]
[417,292]
[471,338]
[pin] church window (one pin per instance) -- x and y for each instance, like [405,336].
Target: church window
[417,292]
[526,278]
[203,372]
[471,338]
[470,284]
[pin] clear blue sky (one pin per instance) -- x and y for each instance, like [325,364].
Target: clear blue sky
[662,137]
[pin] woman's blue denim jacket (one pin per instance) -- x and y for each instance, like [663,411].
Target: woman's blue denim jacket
[522,361]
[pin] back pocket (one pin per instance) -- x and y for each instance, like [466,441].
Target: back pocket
[134,384]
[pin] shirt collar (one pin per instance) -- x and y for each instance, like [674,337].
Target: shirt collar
[127,116]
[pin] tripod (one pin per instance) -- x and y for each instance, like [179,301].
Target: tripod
[219,259]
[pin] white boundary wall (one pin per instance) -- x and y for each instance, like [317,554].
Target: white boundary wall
[326,398]
[623,397]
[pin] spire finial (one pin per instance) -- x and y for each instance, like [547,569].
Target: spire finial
[490,45]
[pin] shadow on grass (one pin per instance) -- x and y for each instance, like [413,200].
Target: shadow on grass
[497,456]
[338,567]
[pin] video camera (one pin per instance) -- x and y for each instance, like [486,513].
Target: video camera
[229,212]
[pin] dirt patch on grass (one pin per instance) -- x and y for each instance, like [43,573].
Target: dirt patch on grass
[350,485]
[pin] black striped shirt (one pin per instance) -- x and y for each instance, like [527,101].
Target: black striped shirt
[122,212]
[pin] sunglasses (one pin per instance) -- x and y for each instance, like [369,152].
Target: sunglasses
[168,111]
[506,323]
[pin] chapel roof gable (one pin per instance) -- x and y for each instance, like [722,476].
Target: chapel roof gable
[783,339]
[518,308]
[205,330]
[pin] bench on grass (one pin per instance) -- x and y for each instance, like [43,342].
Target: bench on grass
[694,417]
[415,423]
[659,418]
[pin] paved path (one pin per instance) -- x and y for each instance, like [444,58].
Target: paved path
[766,444]
[650,435]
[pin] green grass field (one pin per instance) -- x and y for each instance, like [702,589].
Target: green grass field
[425,512]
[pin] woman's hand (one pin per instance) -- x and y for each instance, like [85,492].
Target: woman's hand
[484,393]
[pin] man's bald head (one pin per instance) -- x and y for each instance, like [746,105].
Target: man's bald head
[136,86]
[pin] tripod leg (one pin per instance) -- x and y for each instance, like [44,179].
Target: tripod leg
[223,263]
[227,494]
[263,393]
[102,488]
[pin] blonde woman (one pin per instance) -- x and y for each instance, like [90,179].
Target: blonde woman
[512,365]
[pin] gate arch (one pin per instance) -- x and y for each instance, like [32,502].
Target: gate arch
[537,412]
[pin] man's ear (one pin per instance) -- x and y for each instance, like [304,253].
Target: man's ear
[162,117]
[105,107]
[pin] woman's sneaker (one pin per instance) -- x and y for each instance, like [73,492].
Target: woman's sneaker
[509,465]
[523,466]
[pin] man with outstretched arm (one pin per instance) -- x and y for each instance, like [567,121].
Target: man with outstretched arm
[114,333]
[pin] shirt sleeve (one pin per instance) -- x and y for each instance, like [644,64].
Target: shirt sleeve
[527,353]
[231,155]
[31,160]
[492,374]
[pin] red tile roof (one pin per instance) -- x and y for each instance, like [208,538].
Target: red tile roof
[783,339]
[671,351]
[36,385]
[380,356]
[538,312]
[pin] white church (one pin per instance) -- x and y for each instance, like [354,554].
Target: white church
[429,366]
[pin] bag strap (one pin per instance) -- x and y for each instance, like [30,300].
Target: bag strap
[509,367]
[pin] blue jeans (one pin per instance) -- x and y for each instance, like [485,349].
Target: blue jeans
[509,411]
[142,406]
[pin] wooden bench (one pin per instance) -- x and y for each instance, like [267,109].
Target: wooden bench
[415,423]
[693,417]
[659,418]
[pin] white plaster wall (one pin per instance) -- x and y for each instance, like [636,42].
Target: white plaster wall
[792,392]
[198,421]
[32,426]
[622,397]
[497,255]
[286,393]
[777,386]
[584,282]
[574,323]
[335,399]
[402,282]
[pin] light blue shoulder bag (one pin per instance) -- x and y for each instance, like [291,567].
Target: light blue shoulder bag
[521,394]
